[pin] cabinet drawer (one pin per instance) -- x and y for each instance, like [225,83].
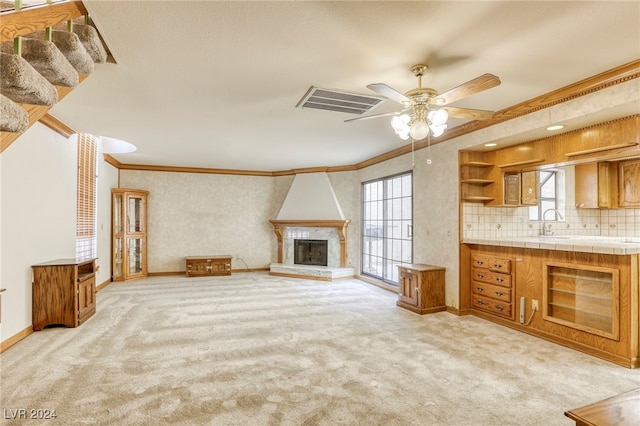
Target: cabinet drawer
[489,277]
[490,262]
[491,305]
[493,291]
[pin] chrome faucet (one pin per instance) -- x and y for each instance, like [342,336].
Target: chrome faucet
[548,231]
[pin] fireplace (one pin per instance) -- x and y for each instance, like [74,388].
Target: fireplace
[310,252]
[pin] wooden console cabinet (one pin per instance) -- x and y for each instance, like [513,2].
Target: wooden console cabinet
[202,266]
[421,288]
[63,292]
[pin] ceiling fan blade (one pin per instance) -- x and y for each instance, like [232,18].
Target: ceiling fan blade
[477,85]
[385,114]
[473,114]
[389,92]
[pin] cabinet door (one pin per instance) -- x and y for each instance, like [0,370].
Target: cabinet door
[512,189]
[135,214]
[586,186]
[135,257]
[530,185]
[408,291]
[118,259]
[86,299]
[629,183]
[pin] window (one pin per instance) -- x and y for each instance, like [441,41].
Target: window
[551,191]
[86,208]
[387,226]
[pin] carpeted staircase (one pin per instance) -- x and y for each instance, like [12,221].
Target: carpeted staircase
[31,67]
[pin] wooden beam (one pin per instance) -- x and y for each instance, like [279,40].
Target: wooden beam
[26,21]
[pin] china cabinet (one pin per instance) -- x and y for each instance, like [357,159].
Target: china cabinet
[129,228]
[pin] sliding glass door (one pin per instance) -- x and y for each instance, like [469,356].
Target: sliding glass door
[387,226]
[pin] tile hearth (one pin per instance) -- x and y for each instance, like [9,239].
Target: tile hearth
[323,273]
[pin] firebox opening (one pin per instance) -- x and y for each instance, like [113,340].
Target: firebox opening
[310,252]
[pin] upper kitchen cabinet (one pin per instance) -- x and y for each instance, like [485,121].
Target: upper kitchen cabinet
[596,185]
[629,189]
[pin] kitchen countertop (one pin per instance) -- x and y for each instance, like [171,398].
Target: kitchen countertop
[587,244]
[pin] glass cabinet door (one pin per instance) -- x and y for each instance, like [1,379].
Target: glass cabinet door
[118,255]
[135,256]
[135,214]
[117,213]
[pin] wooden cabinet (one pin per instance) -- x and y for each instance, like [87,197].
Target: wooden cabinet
[629,172]
[129,234]
[63,292]
[596,185]
[582,297]
[521,189]
[492,284]
[475,184]
[201,266]
[586,301]
[421,288]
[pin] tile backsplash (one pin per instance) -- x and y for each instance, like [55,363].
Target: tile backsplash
[503,222]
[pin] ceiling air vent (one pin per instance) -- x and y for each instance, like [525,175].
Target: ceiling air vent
[333,100]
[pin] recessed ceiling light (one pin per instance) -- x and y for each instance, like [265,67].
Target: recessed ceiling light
[488,145]
[556,127]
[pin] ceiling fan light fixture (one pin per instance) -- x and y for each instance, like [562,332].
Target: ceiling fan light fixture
[438,130]
[419,130]
[438,117]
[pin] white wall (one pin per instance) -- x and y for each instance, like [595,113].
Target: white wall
[38,219]
[107,179]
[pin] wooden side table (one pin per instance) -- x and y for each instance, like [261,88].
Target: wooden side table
[421,288]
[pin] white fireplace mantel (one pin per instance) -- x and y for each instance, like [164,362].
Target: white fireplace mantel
[279,227]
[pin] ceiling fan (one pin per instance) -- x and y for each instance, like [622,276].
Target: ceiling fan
[424,109]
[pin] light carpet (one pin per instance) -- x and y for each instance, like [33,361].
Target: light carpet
[254,349]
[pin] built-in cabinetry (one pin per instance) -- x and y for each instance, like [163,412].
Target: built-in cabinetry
[202,266]
[129,229]
[583,297]
[587,301]
[508,176]
[629,189]
[421,288]
[475,185]
[596,185]
[521,189]
[491,284]
[63,292]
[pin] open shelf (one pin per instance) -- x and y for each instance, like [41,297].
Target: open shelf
[582,297]
[477,181]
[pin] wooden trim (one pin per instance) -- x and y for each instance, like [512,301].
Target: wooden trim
[341,225]
[152,168]
[175,273]
[601,149]
[29,20]
[304,277]
[522,163]
[377,283]
[110,160]
[15,338]
[455,311]
[102,285]
[56,125]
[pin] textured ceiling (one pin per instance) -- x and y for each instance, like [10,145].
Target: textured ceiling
[215,84]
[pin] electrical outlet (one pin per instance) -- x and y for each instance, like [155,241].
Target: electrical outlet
[534,304]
